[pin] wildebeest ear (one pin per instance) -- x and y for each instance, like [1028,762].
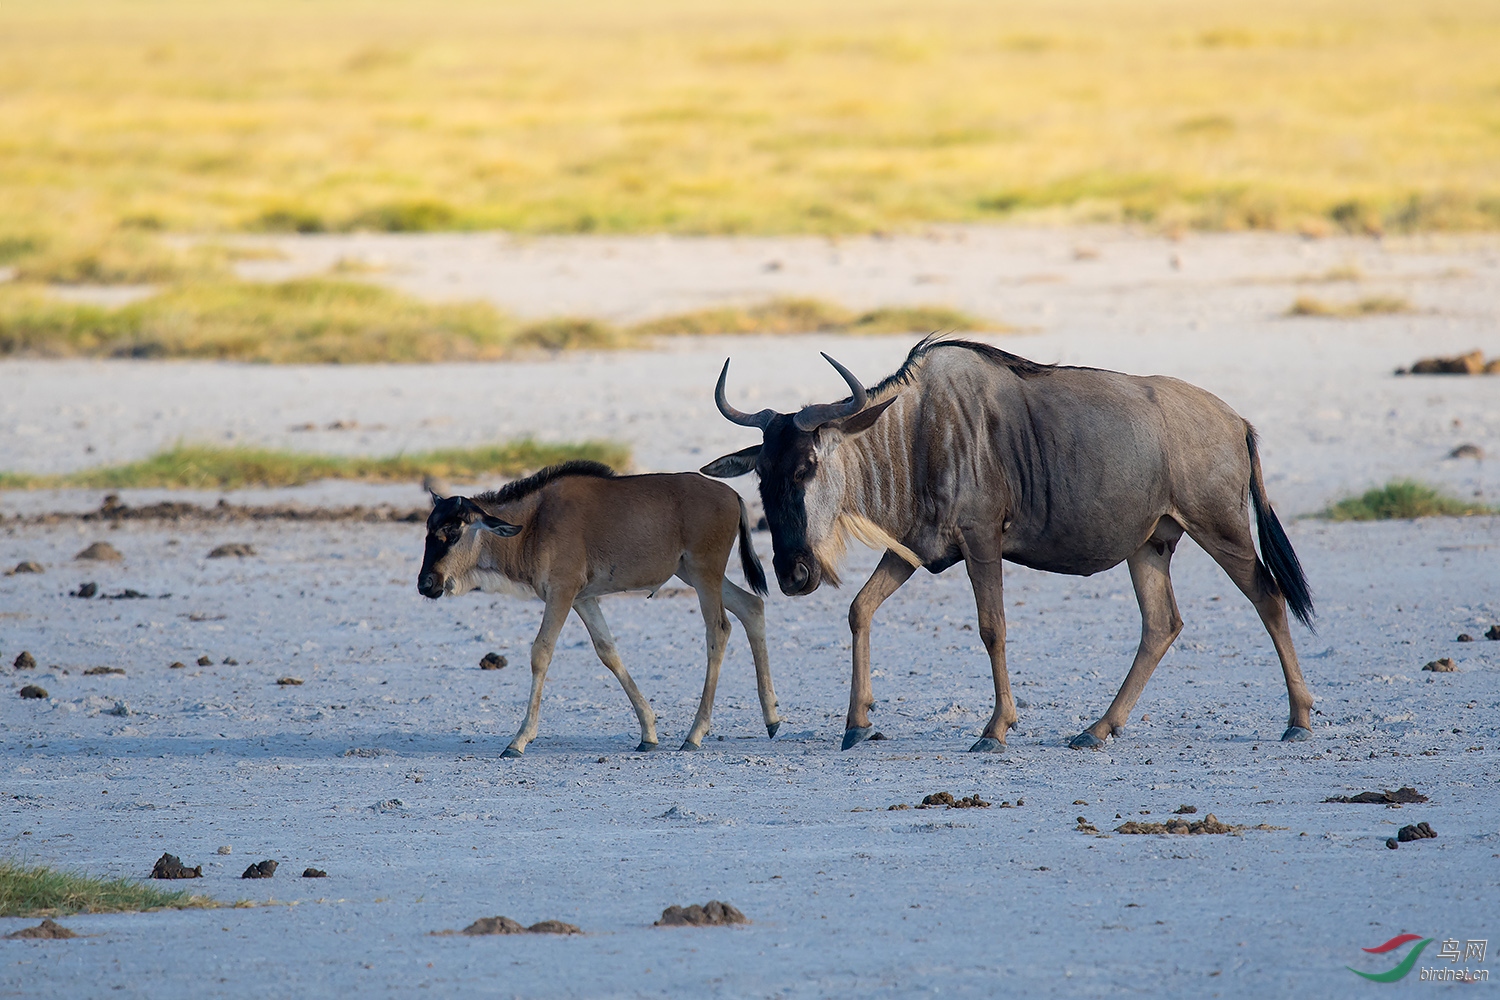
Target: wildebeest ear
[435,497]
[864,419]
[730,466]
[502,528]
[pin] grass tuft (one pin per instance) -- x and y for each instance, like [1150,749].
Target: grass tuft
[1373,305]
[1401,500]
[210,467]
[333,321]
[39,891]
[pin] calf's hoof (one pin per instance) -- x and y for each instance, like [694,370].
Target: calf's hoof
[856,735]
[512,752]
[1085,741]
[987,744]
[1296,734]
[771,728]
[645,747]
[688,745]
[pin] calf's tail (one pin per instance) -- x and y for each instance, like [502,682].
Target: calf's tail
[755,575]
[1275,548]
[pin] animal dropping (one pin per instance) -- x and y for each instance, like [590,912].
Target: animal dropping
[1442,666]
[971,454]
[25,661]
[492,661]
[170,866]
[100,552]
[261,869]
[710,914]
[575,532]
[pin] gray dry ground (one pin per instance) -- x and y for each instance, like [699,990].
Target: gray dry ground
[423,827]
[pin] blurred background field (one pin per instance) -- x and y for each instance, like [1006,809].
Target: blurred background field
[828,116]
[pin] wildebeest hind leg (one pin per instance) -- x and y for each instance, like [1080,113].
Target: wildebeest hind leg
[604,644]
[986,573]
[1150,573]
[710,588]
[1234,551]
[751,611]
[888,577]
[541,656]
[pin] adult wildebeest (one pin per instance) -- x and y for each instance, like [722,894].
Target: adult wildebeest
[575,532]
[968,453]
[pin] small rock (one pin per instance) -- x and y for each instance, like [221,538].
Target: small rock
[121,709]
[289,681]
[1185,810]
[493,925]
[1465,637]
[937,799]
[25,661]
[1080,802]
[85,590]
[1493,633]
[27,566]
[314,873]
[1471,363]
[553,927]
[1443,666]
[205,661]
[1419,831]
[101,671]
[178,665]
[171,866]
[1392,843]
[32,691]
[710,914]
[100,552]
[261,869]
[47,930]
[898,805]
[493,661]
[1405,794]
[230,661]
[240,549]
[1467,451]
[226,849]
[1084,826]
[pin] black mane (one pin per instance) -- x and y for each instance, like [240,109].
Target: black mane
[1023,367]
[524,487]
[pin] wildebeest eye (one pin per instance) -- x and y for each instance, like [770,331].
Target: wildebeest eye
[450,533]
[803,472]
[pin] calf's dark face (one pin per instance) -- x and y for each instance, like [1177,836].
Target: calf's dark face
[450,519]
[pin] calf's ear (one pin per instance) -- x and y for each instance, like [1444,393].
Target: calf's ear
[730,466]
[502,528]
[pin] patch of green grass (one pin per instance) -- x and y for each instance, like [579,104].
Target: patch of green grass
[1373,305]
[39,891]
[333,321]
[1401,500]
[210,467]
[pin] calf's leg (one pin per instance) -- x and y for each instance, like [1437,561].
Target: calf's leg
[710,587]
[1150,573]
[541,656]
[604,644]
[888,577]
[751,611]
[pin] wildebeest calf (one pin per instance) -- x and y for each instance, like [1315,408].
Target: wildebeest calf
[575,532]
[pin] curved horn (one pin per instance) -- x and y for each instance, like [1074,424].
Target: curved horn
[761,419]
[812,417]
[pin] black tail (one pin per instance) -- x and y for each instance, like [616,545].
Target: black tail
[1275,548]
[755,575]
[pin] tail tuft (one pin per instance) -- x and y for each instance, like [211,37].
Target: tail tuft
[755,574]
[1276,548]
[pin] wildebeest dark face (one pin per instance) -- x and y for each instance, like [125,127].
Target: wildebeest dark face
[450,523]
[801,496]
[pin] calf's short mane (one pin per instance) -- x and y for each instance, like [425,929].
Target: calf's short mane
[524,487]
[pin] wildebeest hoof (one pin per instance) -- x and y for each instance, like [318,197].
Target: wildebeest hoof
[856,735]
[511,752]
[1296,734]
[688,745]
[771,728]
[987,744]
[645,747]
[1085,741]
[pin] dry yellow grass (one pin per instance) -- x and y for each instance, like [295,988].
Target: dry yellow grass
[776,116]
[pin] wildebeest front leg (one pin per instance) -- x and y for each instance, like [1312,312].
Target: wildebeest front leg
[1150,573]
[888,577]
[541,657]
[604,644]
[751,611]
[986,573]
